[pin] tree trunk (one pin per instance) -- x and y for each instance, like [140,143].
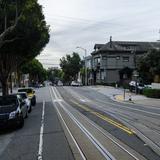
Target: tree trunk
[4,86]
[11,89]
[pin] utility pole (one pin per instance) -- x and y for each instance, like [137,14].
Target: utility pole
[136,74]
[159,35]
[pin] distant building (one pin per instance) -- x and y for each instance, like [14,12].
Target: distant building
[112,60]
[89,66]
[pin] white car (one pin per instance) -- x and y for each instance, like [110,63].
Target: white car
[60,83]
[24,96]
[74,83]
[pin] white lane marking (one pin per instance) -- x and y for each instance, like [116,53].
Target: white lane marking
[55,95]
[57,100]
[97,144]
[83,100]
[78,96]
[75,142]
[40,150]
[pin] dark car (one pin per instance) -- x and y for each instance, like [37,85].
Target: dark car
[12,111]
[30,93]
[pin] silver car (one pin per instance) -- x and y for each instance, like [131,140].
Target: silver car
[26,99]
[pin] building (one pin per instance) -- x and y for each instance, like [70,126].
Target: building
[89,65]
[116,60]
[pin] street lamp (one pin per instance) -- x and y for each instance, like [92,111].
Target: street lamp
[85,67]
[135,73]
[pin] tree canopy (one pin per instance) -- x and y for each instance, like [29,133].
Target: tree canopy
[70,66]
[54,74]
[35,70]
[23,35]
[149,66]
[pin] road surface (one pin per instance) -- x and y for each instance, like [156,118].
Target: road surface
[79,123]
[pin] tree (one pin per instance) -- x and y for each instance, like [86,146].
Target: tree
[23,35]
[70,66]
[35,70]
[54,74]
[149,66]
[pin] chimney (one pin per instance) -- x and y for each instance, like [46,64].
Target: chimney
[110,41]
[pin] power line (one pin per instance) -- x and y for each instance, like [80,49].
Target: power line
[47,59]
[50,64]
[85,21]
[72,18]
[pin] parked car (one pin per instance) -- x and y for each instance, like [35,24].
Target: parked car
[59,83]
[75,83]
[26,99]
[41,85]
[30,93]
[12,111]
[140,86]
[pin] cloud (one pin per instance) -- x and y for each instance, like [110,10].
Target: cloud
[86,22]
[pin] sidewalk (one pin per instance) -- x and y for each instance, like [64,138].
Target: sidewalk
[14,91]
[117,94]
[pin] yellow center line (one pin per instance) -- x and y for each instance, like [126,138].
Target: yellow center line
[105,118]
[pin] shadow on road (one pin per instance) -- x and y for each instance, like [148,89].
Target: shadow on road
[8,130]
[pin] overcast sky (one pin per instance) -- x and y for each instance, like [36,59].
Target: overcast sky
[86,22]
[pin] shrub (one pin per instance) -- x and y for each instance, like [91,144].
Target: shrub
[152,93]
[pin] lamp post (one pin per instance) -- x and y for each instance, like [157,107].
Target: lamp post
[135,73]
[85,67]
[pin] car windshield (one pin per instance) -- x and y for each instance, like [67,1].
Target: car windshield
[25,90]
[4,101]
[23,95]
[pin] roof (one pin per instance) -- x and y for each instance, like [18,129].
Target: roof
[98,46]
[128,46]
[88,57]
[25,88]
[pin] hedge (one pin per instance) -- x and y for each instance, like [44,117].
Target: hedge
[152,93]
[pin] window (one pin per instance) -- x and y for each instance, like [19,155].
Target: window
[128,47]
[118,58]
[125,59]
[98,60]
[104,58]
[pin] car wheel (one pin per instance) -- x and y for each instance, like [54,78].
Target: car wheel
[30,109]
[26,116]
[34,101]
[21,122]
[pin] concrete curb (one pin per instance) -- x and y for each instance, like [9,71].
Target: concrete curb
[120,99]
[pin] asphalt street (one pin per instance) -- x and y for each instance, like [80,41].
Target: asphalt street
[24,144]
[78,123]
[143,121]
